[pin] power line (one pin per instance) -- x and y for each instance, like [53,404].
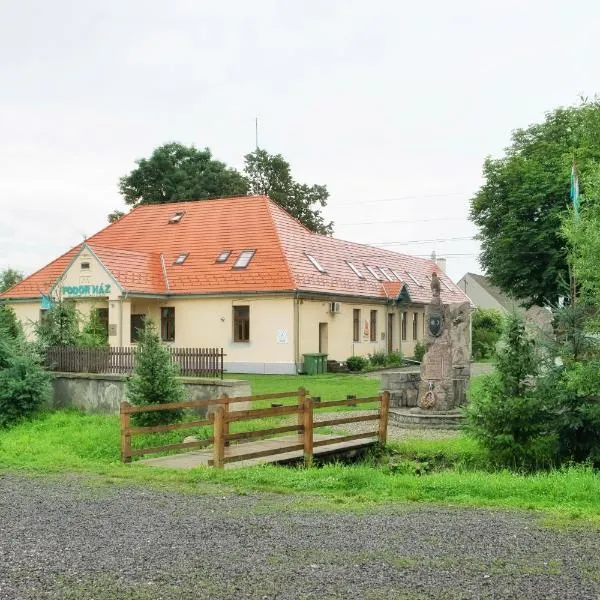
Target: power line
[451,239]
[412,197]
[403,221]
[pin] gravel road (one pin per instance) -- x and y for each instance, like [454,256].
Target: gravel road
[69,538]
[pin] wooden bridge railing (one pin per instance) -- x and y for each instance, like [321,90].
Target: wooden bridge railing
[222,417]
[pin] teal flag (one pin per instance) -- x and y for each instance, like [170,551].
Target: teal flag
[575,189]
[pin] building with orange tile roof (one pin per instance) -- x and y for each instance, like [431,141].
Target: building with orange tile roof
[242,274]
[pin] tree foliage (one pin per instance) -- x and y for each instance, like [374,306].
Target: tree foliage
[24,384]
[59,326]
[487,329]
[507,417]
[520,206]
[154,380]
[8,278]
[271,174]
[176,172]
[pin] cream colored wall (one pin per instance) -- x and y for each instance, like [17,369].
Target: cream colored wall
[28,313]
[340,329]
[96,275]
[340,344]
[208,322]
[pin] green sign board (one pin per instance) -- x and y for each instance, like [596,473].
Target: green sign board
[86,290]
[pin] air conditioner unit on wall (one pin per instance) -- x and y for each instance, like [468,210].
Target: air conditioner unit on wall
[335,308]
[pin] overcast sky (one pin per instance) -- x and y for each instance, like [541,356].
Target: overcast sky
[392,104]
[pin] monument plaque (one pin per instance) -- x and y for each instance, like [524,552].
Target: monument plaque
[435,364]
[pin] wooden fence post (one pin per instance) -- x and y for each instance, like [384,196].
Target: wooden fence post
[308,431]
[383,417]
[125,435]
[219,443]
[225,399]
[301,398]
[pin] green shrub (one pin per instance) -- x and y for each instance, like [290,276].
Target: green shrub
[356,363]
[419,351]
[24,384]
[487,329]
[59,326]
[154,380]
[507,416]
[394,358]
[9,324]
[378,359]
[94,333]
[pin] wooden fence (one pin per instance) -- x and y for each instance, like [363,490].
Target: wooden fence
[222,417]
[193,362]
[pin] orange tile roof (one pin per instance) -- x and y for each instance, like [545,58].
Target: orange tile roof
[131,250]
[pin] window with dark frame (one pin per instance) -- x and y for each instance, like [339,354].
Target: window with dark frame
[137,327]
[167,323]
[85,266]
[43,315]
[243,259]
[356,325]
[223,256]
[241,323]
[102,316]
[181,258]
[176,217]
[373,327]
[404,317]
[415,325]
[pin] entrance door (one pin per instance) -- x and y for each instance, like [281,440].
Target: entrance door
[390,333]
[323,338]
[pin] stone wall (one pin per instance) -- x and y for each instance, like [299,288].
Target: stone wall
[403,388]
[104,393]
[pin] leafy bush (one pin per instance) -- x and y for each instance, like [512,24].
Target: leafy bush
[154,380]
[394,358]
[59,326]
[94,333]
[24,384]
[419,351]
[356,363]
[487,329]
[9,324]
[378,359]
[513,422]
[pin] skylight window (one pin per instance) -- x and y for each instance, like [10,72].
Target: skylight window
[223,256]
[316,264]
[244,259]
[181,258]
[176,217]
[386,273]
[356,271]
[413,278]
[374,273]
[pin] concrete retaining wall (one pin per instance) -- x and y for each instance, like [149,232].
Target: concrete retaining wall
[403,388]
[104,393]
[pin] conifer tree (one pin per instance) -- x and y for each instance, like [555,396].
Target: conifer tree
[154,380]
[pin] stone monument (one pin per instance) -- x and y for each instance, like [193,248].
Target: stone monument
[446,368]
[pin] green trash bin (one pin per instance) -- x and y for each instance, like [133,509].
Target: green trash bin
[315,363]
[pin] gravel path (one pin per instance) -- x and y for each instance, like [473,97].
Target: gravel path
[64,538]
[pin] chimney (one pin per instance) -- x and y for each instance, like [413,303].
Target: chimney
[440,262]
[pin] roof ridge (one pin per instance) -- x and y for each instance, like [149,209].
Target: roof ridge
[269,205]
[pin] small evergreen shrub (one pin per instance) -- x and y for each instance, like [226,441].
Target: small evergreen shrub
[154,380]
[508,417]
[419,351]
[356,363]
[59,326]
[94,333]
[378,359]
[24,384]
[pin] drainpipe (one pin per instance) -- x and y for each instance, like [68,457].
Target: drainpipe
[297,331]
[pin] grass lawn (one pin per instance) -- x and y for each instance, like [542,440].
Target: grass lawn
[69,441]
[329,386]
